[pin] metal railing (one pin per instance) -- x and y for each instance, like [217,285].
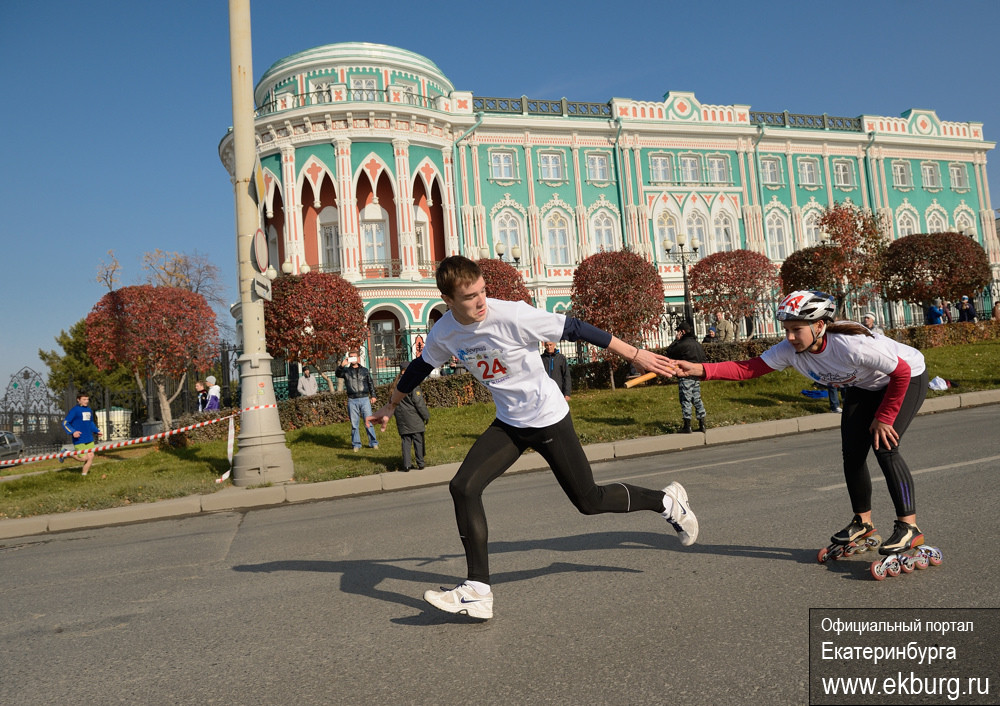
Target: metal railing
[803,120]
[327,96]
[534,106]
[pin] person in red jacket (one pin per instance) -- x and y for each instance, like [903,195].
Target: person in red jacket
[885,383]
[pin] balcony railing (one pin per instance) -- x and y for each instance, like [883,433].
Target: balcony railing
[328,96]
[802,120]
[533,106]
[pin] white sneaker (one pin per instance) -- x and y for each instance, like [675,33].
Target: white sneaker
[462,599]
[681,516]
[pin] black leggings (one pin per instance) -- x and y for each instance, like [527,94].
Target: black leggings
[856,439]
[499,447]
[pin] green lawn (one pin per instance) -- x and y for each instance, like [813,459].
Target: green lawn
[145,474]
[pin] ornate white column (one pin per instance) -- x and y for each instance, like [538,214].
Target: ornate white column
[294,248]
[404,211]
[350,236]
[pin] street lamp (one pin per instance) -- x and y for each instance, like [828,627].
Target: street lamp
[501,249]
[484,253]
[515,252]
[681,257]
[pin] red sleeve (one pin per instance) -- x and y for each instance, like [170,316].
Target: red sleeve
[899,380]
[737,369]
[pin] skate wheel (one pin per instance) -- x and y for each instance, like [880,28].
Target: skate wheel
[823,555]
[908,564]
[921,562]
[878,571]
[934,557]
[893,569]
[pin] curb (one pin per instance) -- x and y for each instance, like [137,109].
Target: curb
[236,499]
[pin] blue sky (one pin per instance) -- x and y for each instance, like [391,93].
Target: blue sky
[113,111]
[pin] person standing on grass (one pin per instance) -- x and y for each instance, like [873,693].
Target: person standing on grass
[411,420]
[885,382]
[80,425]
[497,342]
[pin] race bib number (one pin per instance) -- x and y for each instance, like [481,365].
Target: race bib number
[488,366]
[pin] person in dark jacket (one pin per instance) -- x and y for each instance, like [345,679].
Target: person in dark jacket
[411,418]
[966,310]
[557,368]
[686,347]
[360,397]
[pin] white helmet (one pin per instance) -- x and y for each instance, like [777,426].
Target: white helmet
[807,305]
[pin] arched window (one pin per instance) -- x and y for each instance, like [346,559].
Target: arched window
[777,237]
[725,235]
[936,223]
[811,226]
[696,229]
[603,228]
[557,238]
[907,225]
[666,228]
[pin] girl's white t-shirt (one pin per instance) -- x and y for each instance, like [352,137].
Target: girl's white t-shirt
[847,360]
[502,353]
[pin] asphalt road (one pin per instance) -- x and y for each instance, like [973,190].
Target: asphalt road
[321,603]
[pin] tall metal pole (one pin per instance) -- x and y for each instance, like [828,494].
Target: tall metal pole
[688,314]
[263,456]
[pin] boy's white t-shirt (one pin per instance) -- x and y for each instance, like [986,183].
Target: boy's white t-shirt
[502,353]
[847,360]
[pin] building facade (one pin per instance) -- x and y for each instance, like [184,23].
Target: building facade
[375,167]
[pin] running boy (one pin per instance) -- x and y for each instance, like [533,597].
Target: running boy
[79,424]
[497,341]
[885,381]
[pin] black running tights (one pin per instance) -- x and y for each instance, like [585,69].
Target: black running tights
[856,440]
[499,447]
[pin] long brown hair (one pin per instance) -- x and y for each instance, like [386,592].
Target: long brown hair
[849,328]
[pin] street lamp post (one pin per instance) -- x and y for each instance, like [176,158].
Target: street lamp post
[681,257]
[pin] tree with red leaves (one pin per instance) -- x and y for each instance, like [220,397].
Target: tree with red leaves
[737,283]
[859,242]
[503,281]
[619,292]
[313,317]
[153,331]
[813,268]
[921,267]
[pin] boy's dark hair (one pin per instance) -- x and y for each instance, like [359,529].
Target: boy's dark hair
[81,394]
[454,271]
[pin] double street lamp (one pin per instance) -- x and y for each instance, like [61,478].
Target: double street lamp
[681,257]
[501,248]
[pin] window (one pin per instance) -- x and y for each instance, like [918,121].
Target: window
[843,174]
[666,228]
[930,173]
[373,236]
[690,169]
[811,226]
[551,166]
[718,170]
[770,171]
[603,227]
[598,167]
[936,223]
[907,225]
[508,232]
[725,234]
[363,89]
[777,237]
[696,229]
[331,247]
[557,238]
[959,177]
[661,168]
[901,174]
[502,165]
[808,172]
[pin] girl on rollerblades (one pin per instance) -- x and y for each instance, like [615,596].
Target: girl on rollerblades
[885,384]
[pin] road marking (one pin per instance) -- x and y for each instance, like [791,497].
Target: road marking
[922,470]
[706,465]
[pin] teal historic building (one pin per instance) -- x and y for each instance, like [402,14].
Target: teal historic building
[376,167]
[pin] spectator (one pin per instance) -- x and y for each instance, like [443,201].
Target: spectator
[870,322]
[360,397]
[202,392]
[411,418]
[214,393]
[80,425]
[966,310]
[686,347]
[947,308]
[557,368]
[308,385]
[996,311]
[724,328]
[711,336]
[935,313]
